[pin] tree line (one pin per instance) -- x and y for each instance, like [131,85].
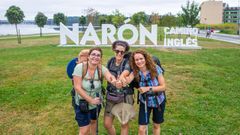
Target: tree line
[189,16]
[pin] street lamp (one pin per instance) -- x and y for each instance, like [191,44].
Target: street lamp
[205,20]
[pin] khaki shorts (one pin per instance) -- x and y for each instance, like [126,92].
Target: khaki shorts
[109,105]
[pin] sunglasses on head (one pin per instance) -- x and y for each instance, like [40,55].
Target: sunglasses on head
[121,52]
[92,84]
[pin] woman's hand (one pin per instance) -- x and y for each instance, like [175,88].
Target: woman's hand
[95,101]
[112,78]
[143,89]
[119,84]
[124,81]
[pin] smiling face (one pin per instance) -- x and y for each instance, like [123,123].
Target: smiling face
[94,57]
[139,60]
[119,52]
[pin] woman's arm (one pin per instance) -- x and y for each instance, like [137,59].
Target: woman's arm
[109,77]
[159,88]
[123,77]
[78,88]
[162,85]
[129,78]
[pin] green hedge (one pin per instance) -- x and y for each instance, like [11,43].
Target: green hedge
[222,27]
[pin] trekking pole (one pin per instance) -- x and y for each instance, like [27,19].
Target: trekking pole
[145,107]
[97,95]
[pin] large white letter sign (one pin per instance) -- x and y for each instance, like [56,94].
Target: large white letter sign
[86,37]
[73,35]
[152,36]
[106,35]
[109,34]
[134,31]
[189,42]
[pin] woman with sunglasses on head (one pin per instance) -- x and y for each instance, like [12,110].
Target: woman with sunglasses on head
[116,65]
[87,84]
[152,87]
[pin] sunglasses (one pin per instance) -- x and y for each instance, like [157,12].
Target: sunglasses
[117,52]
[92,84]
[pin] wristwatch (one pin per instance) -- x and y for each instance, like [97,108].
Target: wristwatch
[150,90]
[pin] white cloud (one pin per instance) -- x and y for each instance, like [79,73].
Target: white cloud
[76,7]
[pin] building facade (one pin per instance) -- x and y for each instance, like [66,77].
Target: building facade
[211,12]
[217,12]
[231,15]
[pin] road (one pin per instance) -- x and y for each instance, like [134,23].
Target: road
[222,37]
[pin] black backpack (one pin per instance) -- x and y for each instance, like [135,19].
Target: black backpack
[123,64]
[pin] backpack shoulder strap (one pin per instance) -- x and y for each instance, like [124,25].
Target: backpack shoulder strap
[110,62]
[84,69]
[157,61]
[124,64]
[99,70]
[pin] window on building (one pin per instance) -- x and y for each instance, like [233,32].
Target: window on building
[233,12]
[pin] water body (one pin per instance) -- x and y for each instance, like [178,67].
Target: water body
[25,29]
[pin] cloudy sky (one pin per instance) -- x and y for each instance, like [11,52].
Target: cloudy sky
[76,7]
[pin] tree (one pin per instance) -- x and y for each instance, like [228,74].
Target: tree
[15,16]
[117,18]
[40,20]
[102,19]
[82,21]
[154,18]
[179,20]
[109,19]
[190,14]
[168,20]
[59,17]
[139,17]
[91,15]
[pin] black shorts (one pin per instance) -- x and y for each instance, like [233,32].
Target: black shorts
[158,114]
[84,119]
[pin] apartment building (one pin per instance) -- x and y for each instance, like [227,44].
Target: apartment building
[231,15]
[211,12]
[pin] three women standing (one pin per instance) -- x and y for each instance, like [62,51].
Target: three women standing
[88,85]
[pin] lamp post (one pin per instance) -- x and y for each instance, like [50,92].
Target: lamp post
[205,22]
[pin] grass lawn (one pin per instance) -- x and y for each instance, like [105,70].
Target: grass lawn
[202,88]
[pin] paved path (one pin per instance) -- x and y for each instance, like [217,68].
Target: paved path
[222,37]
